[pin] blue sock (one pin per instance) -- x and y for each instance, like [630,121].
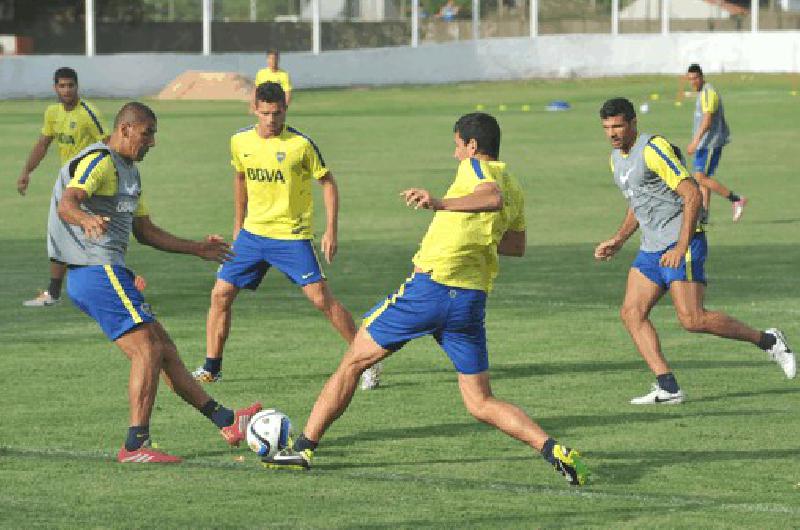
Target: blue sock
[547,450]
[137,436]
[218,414]
[668,382]
[213,365]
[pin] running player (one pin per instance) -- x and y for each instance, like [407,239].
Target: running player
[710,134]
[273,74]
[97,203]
[665,203]
[481,216]
[274,165]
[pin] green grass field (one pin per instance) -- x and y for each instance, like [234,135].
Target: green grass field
[408,454]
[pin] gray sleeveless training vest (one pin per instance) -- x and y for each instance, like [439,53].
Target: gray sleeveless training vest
[718,135]
[68,243]
[658,208]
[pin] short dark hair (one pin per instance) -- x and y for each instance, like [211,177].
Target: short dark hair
[694,68]
[134,112]
[617,107]
[270,93]
[273,51]
[483,128]
[65,72]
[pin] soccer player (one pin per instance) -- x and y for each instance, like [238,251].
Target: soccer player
[710,134]
[664,201]
[274,165]
[97,203]
[74,123]
[273,74]
[481,216]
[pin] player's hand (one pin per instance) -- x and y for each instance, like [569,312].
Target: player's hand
[94,226]
[606,250]
[672,258]
[691,148]
[329,245]
[140,283]
[420,198]
[22,183]
[215,248]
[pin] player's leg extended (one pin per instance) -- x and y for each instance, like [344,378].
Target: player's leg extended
[320,295]
[641,295]
[688,300]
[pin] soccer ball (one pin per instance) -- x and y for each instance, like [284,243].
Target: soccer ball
[268,432]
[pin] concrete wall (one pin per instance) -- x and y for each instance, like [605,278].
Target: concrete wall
[136,75]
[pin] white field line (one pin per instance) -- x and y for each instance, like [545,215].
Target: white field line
[456,483]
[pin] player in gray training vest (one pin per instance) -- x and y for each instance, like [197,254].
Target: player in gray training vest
[97,204]
[664,201]
[710,134]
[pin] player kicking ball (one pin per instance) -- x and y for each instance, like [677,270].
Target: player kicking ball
[481,216]
[665,203]
[97,203]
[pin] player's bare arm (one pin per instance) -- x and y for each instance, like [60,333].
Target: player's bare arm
[212,248]
[69,209]
[330,196]
[705,125]
[692,200]
[606,249]
[485,197]
[37,154]
[513,243]
[239,201]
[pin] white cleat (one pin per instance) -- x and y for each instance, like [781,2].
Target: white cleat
[43,300]
[371,378]
[782,354]
[659,396]
[204,376]
[738,208]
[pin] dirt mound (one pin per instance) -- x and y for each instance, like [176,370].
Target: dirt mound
[208,85]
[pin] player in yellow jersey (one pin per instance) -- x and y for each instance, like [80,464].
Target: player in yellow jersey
[274,166]
[273,74]
[73,123]
[481,216]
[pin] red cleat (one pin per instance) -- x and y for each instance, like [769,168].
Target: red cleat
[146,455]
[237,431]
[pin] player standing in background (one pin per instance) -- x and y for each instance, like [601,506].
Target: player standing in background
[273,74]
[274,165]
[710,134]
[481,216]
[97,203]
[664,201]
[74,123]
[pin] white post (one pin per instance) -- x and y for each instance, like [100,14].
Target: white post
[754,16]
[206,27]
[665,17]
[414,23]
[253,10]
[476,19]
[315,29]
[89,18]
[534,19]
[615,17]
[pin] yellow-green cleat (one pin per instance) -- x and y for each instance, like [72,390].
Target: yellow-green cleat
[568,462]
[289,459]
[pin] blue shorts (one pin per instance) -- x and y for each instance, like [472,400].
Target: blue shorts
[107,294]
[707,160]
[421,306]
[691,269]
[295,258]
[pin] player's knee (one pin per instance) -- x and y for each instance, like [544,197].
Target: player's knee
[692,322]
[631,314]
[321,301]
[478,407]
[222,297]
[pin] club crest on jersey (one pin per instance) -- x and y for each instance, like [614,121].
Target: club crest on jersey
[72,125]
[132,190]
[281,156]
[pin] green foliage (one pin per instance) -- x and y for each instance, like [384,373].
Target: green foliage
[408,455]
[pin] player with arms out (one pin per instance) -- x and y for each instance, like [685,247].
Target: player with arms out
[274,165]
[710,134]
[97,203]
[481,216]
[664,201]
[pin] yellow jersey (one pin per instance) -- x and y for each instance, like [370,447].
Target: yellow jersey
[278,174]
[460,249]
[73,130]
[265,75]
